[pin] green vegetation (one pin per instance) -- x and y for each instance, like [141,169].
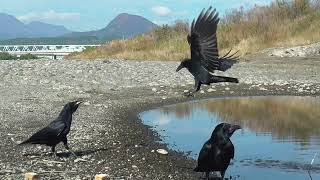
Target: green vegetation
[7,56]
[28,56]
[283,23]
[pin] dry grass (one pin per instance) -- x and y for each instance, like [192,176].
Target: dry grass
[164,43]
[283,23]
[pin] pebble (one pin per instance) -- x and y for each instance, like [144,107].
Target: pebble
[162,151]
[86,103]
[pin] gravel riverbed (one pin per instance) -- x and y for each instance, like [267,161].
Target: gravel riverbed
[107,134]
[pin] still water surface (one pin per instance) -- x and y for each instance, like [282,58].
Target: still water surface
[280,135]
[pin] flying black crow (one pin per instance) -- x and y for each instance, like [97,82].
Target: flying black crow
[57,130]
[205,59]
[217,152]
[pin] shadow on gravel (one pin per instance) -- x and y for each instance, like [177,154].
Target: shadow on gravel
[82,153]
[68,154]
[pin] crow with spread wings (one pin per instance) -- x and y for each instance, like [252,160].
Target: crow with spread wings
[205,59]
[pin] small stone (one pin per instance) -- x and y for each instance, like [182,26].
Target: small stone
[86,103]
[300,90]
[31,176]
[134,167]
[101,177]
[227,88]
[202,91]
[154,89]
[162,151]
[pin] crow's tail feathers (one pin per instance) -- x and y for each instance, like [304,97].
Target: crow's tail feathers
[24,142]
[217,79]
[232,80]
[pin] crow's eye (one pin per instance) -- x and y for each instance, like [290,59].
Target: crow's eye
[225,129]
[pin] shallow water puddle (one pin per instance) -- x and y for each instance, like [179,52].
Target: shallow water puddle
[280,135]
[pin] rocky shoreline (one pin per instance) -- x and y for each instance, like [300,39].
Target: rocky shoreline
[107,134]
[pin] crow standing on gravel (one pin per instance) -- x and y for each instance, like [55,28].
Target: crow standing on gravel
[57,130]
[205,59]
[217,152]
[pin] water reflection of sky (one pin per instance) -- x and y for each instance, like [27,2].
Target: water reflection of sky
[272,145]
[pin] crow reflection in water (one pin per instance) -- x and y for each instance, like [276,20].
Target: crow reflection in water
[57,130]
[205,59]
[217,152]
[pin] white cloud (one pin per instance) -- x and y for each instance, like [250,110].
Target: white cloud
[161,10]
[50,15]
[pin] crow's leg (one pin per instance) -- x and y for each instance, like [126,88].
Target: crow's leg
[222,173]
[65,143]
[191,92]
[207,175]
[53,149]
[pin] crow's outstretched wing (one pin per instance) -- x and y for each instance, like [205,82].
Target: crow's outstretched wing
[203,42]
[47,134]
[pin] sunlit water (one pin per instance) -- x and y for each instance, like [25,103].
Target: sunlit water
[279,139]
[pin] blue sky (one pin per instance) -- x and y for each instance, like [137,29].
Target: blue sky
[82,15]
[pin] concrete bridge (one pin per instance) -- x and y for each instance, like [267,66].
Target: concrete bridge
[53,51]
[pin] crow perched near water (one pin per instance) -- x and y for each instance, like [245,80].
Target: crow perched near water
[205,59]
[217,152]
[57,130]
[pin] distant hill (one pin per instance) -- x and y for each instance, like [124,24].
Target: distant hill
[12,28]
[123,26]
[40,29]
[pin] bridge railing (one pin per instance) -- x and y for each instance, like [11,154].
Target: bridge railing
[43,48]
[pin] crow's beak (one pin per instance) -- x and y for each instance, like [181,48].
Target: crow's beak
[179,67]
[78,102]
[233,128]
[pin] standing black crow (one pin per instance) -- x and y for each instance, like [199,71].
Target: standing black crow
[205,59]
[217,152]
[57,130]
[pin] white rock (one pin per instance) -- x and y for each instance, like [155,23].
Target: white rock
[162,151]
[202,91]
[211,90]
[154,89]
